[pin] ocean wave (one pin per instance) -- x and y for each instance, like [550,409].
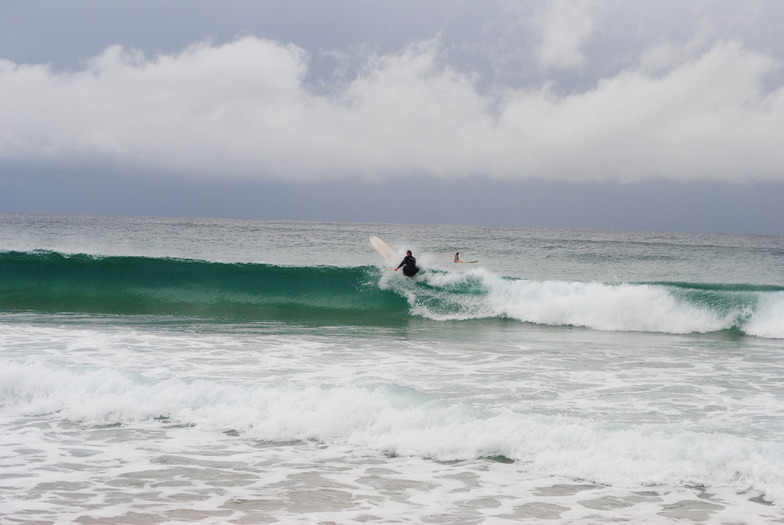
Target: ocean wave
[54,282]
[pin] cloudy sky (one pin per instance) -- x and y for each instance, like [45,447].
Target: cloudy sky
[662,115]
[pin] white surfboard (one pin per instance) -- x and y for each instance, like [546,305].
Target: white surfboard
[381,247]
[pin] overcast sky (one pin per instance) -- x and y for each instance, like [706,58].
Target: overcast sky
[609,114]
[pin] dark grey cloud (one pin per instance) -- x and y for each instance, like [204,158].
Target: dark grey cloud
[648,206]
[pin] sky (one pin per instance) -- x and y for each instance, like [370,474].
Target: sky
[598,114]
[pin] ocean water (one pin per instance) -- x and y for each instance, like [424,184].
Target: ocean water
[159,370]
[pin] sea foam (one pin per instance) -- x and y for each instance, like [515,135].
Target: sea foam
[398,421]
[621,307]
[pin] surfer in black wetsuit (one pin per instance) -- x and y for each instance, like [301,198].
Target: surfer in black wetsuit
[409,265]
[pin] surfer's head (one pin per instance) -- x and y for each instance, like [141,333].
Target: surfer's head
[408,252]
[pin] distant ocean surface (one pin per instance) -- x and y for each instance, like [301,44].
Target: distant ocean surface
[162,370]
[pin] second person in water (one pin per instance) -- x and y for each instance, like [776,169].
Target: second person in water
[409,265]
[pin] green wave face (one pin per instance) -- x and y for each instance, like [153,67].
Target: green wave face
[53,282]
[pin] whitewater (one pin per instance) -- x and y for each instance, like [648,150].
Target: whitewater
[162,370]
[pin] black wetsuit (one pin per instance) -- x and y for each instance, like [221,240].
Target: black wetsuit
[409,266]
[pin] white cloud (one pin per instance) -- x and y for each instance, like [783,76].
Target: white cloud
[245,110]
[563,26]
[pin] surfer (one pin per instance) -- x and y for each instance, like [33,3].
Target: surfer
[409,265]
[457,259]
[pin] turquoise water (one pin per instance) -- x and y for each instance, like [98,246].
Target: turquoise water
[164,370]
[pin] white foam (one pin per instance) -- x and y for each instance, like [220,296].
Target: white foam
[768,318]
[600,306]
[402,422]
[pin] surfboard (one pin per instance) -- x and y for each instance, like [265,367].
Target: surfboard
[467,262]
[381,247]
